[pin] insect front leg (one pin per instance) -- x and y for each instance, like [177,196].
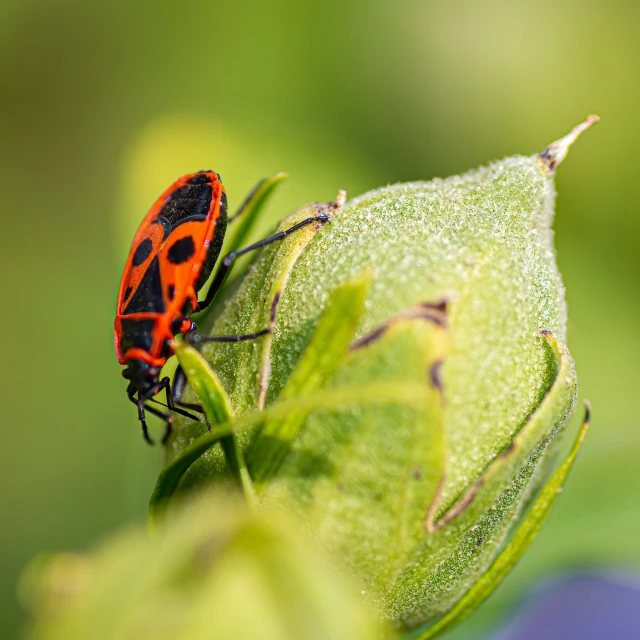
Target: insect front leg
[179,384]
[163,415]
[143,406]
[165,383]
[231,338]
[178,387]
[141,417]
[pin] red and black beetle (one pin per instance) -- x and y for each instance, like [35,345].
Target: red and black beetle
[172,256]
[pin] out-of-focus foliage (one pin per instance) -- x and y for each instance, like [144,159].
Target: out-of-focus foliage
[105,104]
[218,570]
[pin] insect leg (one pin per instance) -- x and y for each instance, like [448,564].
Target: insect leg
[140,405]
[193,336]
[165,383]
[179,383]
[168,419]
[233,338]
[143,422]
[230,258]
[173,395]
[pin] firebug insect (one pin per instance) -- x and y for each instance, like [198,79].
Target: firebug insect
[172,256]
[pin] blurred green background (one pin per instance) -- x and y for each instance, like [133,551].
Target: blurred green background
[104,104]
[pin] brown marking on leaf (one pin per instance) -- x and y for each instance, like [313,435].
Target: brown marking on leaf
[265,370]
[433,507]
[441,306]
[370,337]
[435,312]
[332,208]
[468,497]
[512,446]
[435,374]
[456,510]
[274,308]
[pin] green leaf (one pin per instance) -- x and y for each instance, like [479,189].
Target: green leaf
[204,383]
[515,549]
[217,408]
[170,476]
[363,477]
[389,392]
[252,206]
[325,353]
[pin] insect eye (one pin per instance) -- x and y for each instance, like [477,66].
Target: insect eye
[126,374]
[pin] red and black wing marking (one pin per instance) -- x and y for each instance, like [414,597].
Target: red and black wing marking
[170,248]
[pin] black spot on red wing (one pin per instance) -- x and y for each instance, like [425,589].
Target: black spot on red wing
[127,293]
[201,178]
[181,250]
[193,191]
[148,295]
[187,202]
[137,333]
[143,251]
[171,291]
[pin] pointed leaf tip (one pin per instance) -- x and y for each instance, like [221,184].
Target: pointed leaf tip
[557,151]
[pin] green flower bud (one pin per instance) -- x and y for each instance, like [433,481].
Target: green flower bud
[404,404]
